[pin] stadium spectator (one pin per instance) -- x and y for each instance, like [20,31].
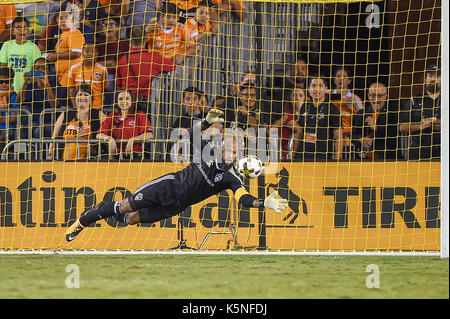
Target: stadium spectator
[7,14]
[37,93]
[109,45]
[82,123]
[420,118]
[188,8]
[346,101]
[19,54]
[320,122]
[125,123]
[136,70]
[281,88]
[298,74]
[76,7]
[48,37]
[90,15]
[169,37]
[288,128]
[219,102]
[90,72]
[192,109]
[68,49]
[375,128]
[8,120]
[200,25]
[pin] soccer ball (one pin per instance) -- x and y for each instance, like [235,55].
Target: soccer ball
[250,167]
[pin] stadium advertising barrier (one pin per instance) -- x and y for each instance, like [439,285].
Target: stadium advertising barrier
[332,206]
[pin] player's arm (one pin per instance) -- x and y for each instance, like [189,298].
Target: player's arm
[247,200]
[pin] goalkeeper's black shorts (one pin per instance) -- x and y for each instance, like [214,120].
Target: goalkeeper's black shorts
[157,199]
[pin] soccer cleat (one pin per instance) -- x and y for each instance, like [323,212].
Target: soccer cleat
[74,230]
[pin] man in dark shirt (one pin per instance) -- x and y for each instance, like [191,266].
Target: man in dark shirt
[170,194]
[320,122]
[375,128]
[421,119]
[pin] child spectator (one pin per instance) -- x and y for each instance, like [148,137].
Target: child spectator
[68,49]
[7,102]
[7,14]
[37,93]
[83,123]
[199,26]
[169,37]
[187,9]
[19,54]
[89,72]
[125,123]
[192,109]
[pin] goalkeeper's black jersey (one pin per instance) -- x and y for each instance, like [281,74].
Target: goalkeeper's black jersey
[201,180]
[198,181]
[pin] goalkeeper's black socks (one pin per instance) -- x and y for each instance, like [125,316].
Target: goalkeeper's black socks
[98,212]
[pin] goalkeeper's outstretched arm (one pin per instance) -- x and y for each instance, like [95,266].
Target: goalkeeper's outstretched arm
[270,202]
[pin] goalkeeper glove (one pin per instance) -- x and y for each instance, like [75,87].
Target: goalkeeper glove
[277,205]
[213,116]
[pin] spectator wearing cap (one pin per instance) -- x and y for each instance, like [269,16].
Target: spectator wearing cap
[420,119]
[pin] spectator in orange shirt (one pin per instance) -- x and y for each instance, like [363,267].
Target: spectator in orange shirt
[347,102]
[68,49]
[200,26]
[169,37]
[7,14]
[81,123]
[89,72]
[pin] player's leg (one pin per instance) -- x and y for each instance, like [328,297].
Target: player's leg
[155,193]
[102,210]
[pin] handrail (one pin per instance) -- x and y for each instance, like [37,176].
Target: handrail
[78,141]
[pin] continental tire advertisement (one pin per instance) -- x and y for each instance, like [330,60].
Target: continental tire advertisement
[332,206]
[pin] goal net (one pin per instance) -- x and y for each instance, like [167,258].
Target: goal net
[341,101]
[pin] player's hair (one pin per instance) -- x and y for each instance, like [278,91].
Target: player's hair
[19,20]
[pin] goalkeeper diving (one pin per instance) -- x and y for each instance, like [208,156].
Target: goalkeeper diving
[170,194]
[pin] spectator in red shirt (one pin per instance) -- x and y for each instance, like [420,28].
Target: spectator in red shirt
[126,122]
[136,70]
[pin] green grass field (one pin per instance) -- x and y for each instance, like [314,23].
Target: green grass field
[222,277]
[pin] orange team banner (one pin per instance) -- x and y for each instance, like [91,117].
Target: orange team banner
[332,206]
